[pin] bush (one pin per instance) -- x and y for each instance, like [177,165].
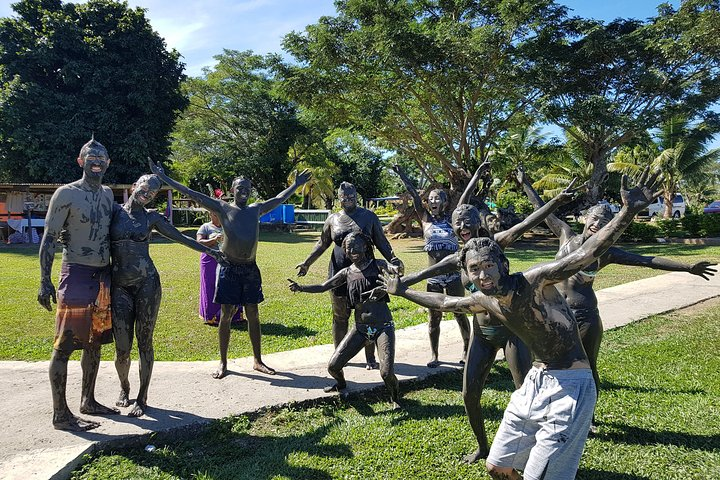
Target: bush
[692,222]
[640,232]
[388,210]
[520,202]
[710,225]
[668,227]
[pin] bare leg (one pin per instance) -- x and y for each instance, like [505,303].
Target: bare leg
[457,289]
[90,363]
[348,348]
[480,358]
[63,419]
[434,319]
[226,314]
[147,305]
[122,324]
[253,319]
[341,316]
[386,349]
[591,333]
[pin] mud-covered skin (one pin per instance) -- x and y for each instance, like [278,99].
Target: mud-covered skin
[351,218]
[136,289]
[436,214]
[241,227]
[528,303]
[371,313]
[79,213]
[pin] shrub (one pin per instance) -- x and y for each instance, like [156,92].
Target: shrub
[668,226]
[692,222]
[640,232]
[520,202]
[710,225]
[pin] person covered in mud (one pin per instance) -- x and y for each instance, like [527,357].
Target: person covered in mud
[546,423]
[440,241]
[489,335]
[136,289]
[351,218]
[238,283]
[578,289]
[373,320]
[78,217]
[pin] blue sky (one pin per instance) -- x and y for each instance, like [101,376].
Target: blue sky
[201,29]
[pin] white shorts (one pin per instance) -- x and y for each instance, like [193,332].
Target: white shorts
[545,425]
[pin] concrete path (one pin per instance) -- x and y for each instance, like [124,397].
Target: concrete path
[183,394]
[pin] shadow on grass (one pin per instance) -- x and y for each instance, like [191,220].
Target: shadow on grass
[278,330]
[610,386]
[594,474]
[630,435]
[21,249]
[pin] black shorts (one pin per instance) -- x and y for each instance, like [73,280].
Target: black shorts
[238,285]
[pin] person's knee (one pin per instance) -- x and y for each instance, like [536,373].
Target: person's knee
[499,472]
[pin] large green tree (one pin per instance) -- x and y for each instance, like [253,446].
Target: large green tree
[435,81]
[68,70]
[609,83]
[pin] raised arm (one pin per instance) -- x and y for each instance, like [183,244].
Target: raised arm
[447,265]
[633,202]
[340,278]
[165,228]
[269,205]
[417,201]
[561,229]
[435,301]
[207,202]
[482,170]
[58,211]
[622,257]
[321,245]
[510,236]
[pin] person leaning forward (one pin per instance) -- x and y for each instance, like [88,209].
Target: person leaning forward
[79,217]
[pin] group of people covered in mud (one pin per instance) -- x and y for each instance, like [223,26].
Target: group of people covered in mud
[545,319]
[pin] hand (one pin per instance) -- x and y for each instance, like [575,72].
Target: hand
[156,168]
[391,283]
[483,169]
[703,269]
[45,293]
[644,193]
[302,269]
[373,295]
[294,286]
[302,177]
[219,257]
[569,193]
[398,264]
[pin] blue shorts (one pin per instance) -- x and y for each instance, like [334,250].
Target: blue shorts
[545,425]
[238,285]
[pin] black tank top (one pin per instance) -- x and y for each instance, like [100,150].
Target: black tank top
[363,281]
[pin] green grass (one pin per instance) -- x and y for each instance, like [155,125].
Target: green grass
[658,414]
[289,321]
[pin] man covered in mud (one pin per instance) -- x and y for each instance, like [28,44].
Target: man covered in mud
[545,425]
[79,217]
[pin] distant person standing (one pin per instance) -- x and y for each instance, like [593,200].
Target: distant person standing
[210,234]
[79,217]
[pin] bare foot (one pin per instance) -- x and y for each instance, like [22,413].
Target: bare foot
[262,368]
[74,424]
[220,372]
[94,408]
[335,387]
[372,365]
[475,456]
[123,399]
[593,430]
[138,410]
[433,363]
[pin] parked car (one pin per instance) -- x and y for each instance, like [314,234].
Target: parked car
[714,207]
[657,208]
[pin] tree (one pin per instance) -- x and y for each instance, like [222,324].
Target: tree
[236,124]
[435,81]
[68,70]
[610,83]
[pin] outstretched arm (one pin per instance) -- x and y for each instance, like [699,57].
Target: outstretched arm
[435,301]
[269,205]
[622,257]
[321,245]
[163,226]
[633,202]
[482,170]
[338,279]
[207,202]
[447,265]
[510,236]
[561,229]
[417,201]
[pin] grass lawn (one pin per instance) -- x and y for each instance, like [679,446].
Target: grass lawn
[659,418]
[289,321]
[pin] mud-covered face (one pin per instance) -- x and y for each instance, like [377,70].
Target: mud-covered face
[241,191]
[437,202]
[94,163]
[144,193]
[493,224]
[466,222]
[356,249]
[485,272]
[593,223]
[348,199]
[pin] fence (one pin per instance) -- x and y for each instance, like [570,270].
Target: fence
[311,217]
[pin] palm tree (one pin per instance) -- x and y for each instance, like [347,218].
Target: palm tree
[679,151]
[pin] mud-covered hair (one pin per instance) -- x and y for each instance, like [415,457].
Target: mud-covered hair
[369,250]
[601,210]
[93,147]
[441,193]
[469,210]
[151,179]
[485,247]
[345,187]
[238,180]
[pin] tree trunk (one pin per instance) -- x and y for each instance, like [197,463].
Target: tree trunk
[596,187]
[668,198]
